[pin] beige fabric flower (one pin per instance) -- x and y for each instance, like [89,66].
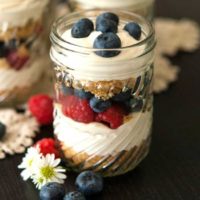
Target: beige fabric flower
[21,128]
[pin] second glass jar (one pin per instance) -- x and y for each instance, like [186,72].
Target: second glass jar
[23,48]
[144,8]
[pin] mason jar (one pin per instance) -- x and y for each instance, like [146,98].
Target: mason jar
[23,52]
[114,137]
[141,7]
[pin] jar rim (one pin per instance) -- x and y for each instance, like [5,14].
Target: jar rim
[131,2]
[57,39]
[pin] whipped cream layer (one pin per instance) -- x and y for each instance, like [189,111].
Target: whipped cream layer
[19,12]
[97,139]
[114,3]
[87,65]
[10,78]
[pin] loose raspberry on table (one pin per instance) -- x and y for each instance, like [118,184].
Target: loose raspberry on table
[48,146]
[113,116]
[41,107]
[78,109]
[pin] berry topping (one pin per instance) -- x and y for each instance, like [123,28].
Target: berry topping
[13,44]
[3,50]
[134,30]
[99,105]
[74,196]
[107,41]
[41,107]
[89,183]
[48,146]
[105,26]
[78,109]
[82,28]
[2,130]
[52,191]
[113,116]
[122,96]
[66,90]
[83,94]
[108,16]
[134,105]
[18,58]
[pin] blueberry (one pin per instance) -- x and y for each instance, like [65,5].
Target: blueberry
[3,50]
[52,191]
[138,106]
[66,90]
[107,41]
[83,94]
[108,16]
[105,25]
[134,30]
[13,44]
[82,28]
[89,183]
[134,105]
[74,196]
[99,105]
[122,96]
[2,130]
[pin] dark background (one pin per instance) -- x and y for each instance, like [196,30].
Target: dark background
[172,169]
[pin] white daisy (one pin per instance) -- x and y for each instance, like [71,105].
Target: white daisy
[31,158]
[47,170]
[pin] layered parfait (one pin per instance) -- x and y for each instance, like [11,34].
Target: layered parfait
[22,54]
[142,7]
[103,108]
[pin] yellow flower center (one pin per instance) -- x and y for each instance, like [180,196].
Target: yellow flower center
[40,180]
[47,172]
[30,162]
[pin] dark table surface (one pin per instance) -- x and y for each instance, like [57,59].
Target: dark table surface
[172,169]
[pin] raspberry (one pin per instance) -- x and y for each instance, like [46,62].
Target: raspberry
[18,58]
[112,116]
[41,107]
[78,109]
[48,146]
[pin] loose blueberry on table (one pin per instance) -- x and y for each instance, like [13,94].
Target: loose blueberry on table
[52,191]
[89,183]
[76,195]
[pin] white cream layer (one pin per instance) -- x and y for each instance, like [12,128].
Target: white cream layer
[19,12]
[88,65]
[97,139]
[115,3]
[10,78]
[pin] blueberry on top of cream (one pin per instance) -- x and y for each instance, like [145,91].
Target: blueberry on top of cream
[107,41]
[134,30]
[82,28]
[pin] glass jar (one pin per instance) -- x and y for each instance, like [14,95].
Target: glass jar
[113,140]
[23,52]
[141,7]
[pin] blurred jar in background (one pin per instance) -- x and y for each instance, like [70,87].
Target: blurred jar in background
[23,50]
[141,7]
